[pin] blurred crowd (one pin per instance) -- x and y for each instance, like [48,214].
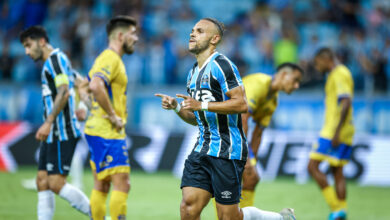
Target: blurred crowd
[260,35]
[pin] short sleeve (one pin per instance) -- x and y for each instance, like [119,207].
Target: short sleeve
[104,68]
[226,74]
[342,86]
[62,69]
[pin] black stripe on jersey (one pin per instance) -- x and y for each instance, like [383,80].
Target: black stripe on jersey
[216,89]
[244,146]
[228,71]
[54,60]
[223,128]
[202,116]
[67,113]
[53,89]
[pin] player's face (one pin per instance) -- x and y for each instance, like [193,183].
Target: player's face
[33,49]
[130,38]
[321,64]
[291,81]
[200,36]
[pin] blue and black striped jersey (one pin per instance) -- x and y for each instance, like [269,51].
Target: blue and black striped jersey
[220,135]
[66,125]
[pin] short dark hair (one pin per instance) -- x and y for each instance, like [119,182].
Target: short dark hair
[220,26]
[293,66]
[120,21]
[34,32]
[325,51]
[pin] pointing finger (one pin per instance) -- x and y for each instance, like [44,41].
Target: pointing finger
[182,96]
[160,95]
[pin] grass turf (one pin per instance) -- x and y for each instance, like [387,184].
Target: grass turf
[158,196]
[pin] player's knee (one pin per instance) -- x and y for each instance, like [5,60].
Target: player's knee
[42,182]
[56,183]
[188,207]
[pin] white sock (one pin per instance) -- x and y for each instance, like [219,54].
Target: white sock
[253,213]
[46,205]
[76,171]
[75,197]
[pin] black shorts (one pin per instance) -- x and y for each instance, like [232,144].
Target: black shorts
[221,177]
[56,157]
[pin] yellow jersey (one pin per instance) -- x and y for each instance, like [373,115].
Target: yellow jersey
[108,66]
[339,84]
[261,103]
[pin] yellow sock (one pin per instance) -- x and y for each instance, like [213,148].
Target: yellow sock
[331,198]
[215,208]
[118,205]
[98,204]
[342,204]
[248,198]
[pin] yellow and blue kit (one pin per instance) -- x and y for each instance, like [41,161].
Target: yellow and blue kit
[262,104]
[107,145]
[339,85]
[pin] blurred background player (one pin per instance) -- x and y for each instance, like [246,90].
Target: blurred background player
[335,142]
[262,92]
[80,155]
[217,97]
[104,129]
[59,133]
[83,101]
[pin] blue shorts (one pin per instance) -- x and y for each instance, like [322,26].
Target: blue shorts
[221,177]
[336,156]
[251,157]
[108,156]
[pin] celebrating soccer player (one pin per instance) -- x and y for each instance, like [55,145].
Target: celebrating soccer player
[216,97]
[262,94]
[59,133]
[104,129]
[334,144]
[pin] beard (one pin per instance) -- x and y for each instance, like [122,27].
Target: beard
[198,48]
[128,48]
[38,55]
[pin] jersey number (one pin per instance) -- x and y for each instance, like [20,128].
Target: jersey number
[203,95]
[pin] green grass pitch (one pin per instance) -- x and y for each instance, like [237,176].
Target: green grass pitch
[157,196]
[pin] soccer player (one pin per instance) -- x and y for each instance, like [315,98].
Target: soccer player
[334,144]
[59,133]
[216,97]
[104,129]
[262,94]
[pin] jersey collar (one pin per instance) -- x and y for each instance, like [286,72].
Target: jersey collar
[207,61]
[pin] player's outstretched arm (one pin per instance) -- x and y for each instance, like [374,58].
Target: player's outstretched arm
[170,103]
[236,104]
[99,92]
[59,103]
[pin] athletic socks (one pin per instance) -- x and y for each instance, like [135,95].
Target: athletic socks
[248,198]
[342,205]
[75,197]
[253,213]
[98,204]
[331,198]
[46,205]
[118,205]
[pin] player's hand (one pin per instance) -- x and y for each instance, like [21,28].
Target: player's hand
[189,103]
[336,140]
[167,102]
[81,114]
[116,122]
[43,132]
